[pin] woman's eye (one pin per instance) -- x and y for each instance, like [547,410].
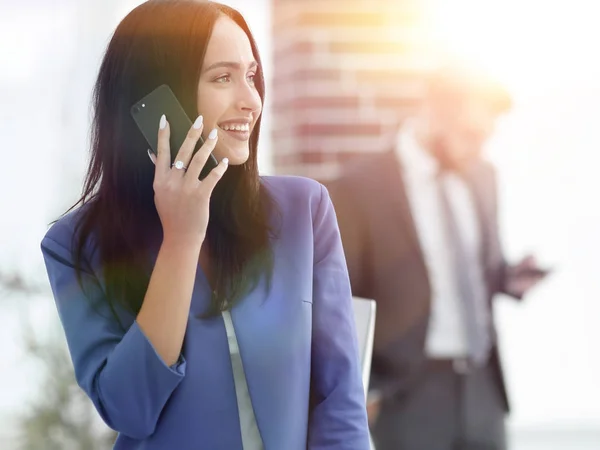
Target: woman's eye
[251,77]
[223,79]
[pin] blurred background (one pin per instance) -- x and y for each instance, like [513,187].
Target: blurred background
[341,76]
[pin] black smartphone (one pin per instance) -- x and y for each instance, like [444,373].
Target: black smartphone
[147,112]
[538,272]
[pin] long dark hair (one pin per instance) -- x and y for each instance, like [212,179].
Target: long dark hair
[164,42]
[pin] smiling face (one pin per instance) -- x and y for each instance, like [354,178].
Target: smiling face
[227,97]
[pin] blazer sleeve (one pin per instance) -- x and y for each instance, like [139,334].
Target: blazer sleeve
[338,418]
[499,265]
[120,371]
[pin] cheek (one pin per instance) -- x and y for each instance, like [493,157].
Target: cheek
[258,101]
[219,152]
[211,106]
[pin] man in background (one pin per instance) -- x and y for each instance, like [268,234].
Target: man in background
[420,231]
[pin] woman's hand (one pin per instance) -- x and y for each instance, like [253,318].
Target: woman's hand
[181,199]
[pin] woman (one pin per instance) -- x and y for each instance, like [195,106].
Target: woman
[211,314]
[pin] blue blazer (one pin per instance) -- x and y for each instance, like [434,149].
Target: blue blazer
[297,343]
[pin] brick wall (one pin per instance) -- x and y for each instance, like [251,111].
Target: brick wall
[345,73]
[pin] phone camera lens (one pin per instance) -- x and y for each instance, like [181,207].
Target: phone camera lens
[136,109]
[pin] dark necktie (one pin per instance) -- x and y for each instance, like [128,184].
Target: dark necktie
[476,310]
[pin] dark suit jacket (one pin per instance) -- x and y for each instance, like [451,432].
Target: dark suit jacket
[386,263]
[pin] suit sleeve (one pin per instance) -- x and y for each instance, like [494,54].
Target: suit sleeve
[120,371]
[338,418]
[499,264]
[347,208]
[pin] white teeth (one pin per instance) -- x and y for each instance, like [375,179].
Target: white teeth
[237,127]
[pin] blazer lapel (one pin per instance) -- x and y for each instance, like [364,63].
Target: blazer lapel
[257,320]
[479,192]
[399,211]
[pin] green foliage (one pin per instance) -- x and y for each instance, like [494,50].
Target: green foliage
[60,416]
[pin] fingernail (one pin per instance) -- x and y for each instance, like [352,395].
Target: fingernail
[151,155]
[225,161]
[198,122]
[212,134]
[163,122]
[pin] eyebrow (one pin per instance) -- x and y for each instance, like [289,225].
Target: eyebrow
[230,64]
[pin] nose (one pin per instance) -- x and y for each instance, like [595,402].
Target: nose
[248,98]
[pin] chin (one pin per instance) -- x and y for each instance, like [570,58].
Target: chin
[237,154]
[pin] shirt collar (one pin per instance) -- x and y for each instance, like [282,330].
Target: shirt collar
[413,157]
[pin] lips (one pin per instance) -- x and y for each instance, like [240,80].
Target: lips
[240,126]
[239,130]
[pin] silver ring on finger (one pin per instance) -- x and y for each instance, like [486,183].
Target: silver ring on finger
[179,165]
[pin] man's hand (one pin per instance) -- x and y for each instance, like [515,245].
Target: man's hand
[524,276]
[373,406]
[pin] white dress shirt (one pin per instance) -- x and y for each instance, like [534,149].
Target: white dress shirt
[251,439]
[447,334]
